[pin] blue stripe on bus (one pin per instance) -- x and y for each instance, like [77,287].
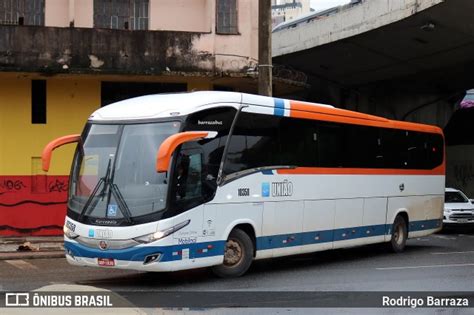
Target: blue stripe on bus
[279,109]
[138,253]
[317,237]
[267,172]
[200,250]
[424,225]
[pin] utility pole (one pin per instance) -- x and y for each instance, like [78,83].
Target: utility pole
[265,47]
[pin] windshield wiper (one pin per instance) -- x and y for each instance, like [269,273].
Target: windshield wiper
[107,182]
[103,180]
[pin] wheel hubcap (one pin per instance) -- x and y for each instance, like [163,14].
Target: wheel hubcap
[233,253]
[398,234]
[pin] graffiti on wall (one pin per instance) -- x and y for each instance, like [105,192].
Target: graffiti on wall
[8,185]
[30,205]
[57,185]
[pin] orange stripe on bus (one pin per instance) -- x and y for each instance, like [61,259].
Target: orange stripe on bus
[440,170]
[305,107]
[307,111]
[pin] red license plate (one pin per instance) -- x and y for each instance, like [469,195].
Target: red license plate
[106,262]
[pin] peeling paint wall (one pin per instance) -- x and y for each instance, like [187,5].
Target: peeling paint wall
[184,41]
[180,15]
[80,50]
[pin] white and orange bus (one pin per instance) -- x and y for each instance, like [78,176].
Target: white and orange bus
[218,179]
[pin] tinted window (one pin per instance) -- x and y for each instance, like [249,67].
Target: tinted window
[216,119]
[266,140]
[361,147]
[454,196]
[197,164]
[297,142]
[329,139]
[411,150]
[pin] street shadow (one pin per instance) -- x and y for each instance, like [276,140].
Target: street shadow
[152,280]
[325,259]
[457,229]
[181,279]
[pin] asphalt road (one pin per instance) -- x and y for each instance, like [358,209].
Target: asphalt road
[440,262]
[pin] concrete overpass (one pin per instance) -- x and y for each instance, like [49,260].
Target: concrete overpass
[402,59]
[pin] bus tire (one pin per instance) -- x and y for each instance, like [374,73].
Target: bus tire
[238,255]
[399,235]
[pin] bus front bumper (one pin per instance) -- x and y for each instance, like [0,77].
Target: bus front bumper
[147,258]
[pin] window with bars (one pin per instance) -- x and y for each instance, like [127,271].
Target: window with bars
[226,17]
[121,14]
[22,12]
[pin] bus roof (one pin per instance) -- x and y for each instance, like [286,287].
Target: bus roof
[177,104]
[180,104]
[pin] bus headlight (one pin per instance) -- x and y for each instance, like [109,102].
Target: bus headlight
[161,234]
[69,234]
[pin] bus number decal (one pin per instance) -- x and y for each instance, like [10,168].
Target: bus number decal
[244,192]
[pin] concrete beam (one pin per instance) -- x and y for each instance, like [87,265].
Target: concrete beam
[369,15]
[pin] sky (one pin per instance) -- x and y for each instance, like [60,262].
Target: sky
[319,5]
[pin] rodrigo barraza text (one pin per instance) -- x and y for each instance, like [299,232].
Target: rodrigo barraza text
[428,301]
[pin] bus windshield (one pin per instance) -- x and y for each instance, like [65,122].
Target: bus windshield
[114,177]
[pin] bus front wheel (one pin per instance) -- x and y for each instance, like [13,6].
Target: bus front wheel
[238,255]
[399,234]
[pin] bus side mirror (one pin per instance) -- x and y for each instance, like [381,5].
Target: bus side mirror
[170,144]
[56,143]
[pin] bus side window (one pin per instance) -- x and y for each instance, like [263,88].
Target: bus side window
[188,177]
[330,152]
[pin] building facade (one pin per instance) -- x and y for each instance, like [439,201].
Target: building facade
[287,10]
[62,59]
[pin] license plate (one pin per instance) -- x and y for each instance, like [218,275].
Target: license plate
[462,220]
[106,262]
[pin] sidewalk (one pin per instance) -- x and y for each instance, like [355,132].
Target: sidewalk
[31,247]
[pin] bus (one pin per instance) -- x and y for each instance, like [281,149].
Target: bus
[218,179]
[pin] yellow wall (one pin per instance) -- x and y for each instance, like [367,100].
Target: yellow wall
[69,103]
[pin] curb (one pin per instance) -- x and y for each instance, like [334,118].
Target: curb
[31,255]
[40,247]
[31,239]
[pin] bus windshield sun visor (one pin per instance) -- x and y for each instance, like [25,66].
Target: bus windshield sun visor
[168,146]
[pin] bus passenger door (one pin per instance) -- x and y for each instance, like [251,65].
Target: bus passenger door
[282,228]
[187,197]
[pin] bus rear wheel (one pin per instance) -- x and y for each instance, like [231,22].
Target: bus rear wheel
[399,234]
[238,255]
